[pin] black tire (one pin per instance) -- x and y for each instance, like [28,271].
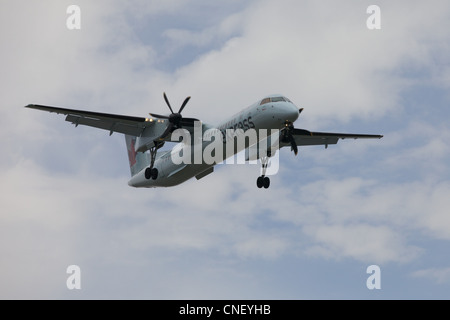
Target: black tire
[266,182]
[260,182]
[148,174]
[154,173]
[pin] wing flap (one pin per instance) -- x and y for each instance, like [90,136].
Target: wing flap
[116,126]
[204,173]
[315,141]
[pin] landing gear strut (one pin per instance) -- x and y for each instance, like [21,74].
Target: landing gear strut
[262,180]
[150,172]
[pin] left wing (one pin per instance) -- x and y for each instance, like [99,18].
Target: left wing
[308,138]
[111,122]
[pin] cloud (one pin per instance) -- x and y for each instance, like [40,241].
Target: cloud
[182,38]
[363,242]
[424,145]
[360,70]
[334,213]
[438,275]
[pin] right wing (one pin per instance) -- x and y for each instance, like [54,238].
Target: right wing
[308,138]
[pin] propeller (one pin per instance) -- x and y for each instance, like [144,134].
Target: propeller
[175,118]
[288,137]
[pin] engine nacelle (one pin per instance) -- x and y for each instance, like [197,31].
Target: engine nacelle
[149,135]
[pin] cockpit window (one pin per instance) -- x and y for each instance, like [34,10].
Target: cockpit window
[277,99]
[266,100]
[274,99]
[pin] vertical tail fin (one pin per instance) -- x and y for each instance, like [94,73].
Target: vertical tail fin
[138,161]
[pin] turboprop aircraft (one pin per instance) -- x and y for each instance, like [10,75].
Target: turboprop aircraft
[145,136]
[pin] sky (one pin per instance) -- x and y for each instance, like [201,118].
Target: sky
[329,213]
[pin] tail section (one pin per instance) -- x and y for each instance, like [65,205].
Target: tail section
[138,160]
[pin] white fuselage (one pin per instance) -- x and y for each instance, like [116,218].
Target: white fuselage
[259,116]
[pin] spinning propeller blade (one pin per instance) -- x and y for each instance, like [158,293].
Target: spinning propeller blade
[175,119]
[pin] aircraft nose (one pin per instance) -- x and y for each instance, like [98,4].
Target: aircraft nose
[290,112]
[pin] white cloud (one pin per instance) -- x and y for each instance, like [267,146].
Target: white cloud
[357,68]
[438,275]
[424,146]
[185,37]
[379,244]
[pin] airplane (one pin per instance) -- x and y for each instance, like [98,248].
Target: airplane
[145,136]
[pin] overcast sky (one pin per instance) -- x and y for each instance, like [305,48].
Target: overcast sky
[328,215]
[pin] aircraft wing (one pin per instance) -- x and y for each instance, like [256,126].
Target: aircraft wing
[110,122]
[308,138]
[129,125]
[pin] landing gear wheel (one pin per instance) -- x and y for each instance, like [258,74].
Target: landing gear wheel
[148,173]
[151,173]
[260,182]
[154,173]
[266,182]
[263,182]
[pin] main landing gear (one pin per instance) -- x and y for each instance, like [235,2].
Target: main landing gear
[286,137]
[150,172]
[263,181]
